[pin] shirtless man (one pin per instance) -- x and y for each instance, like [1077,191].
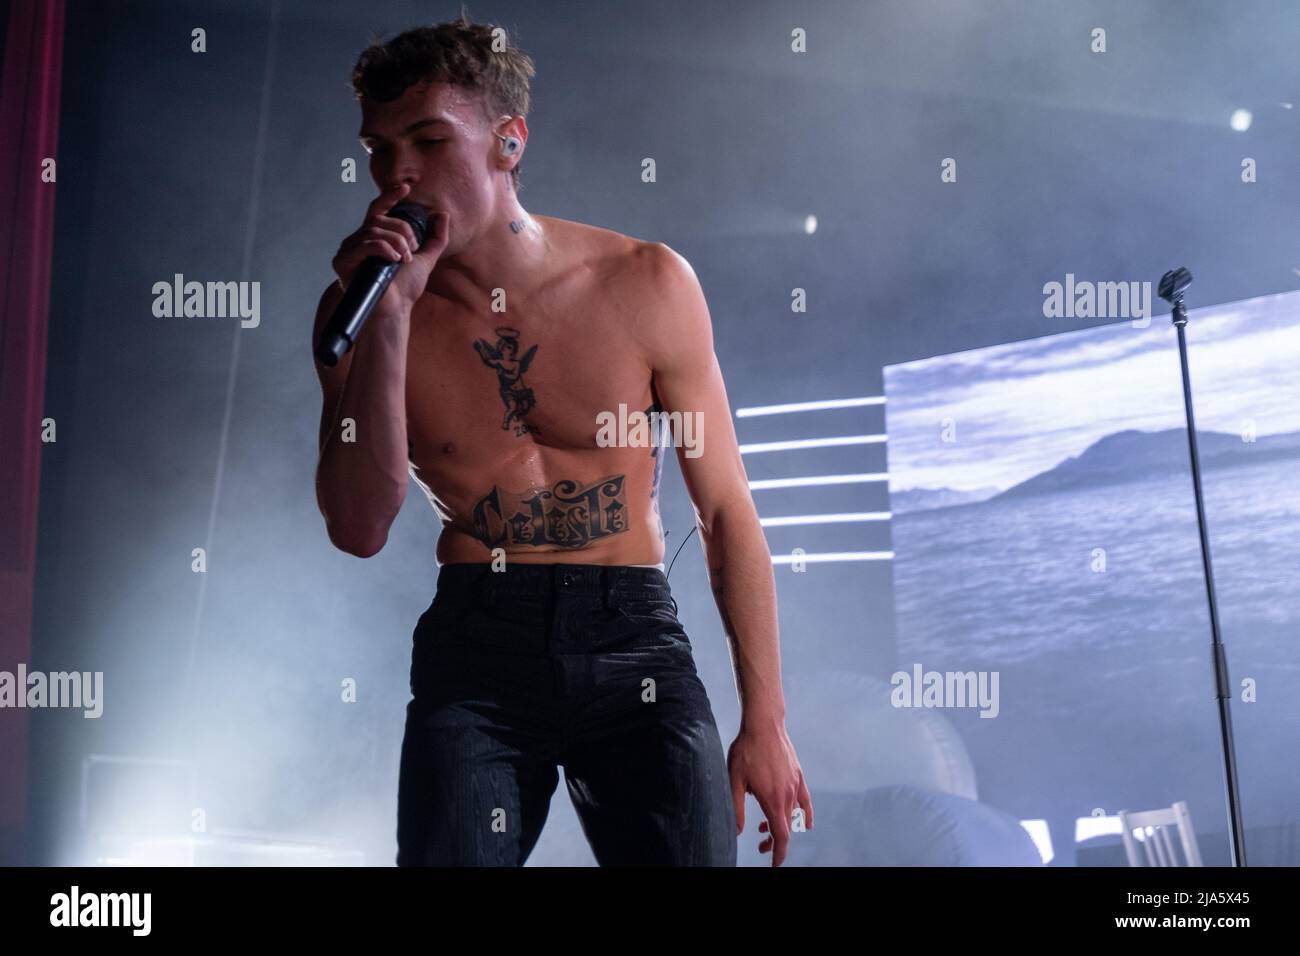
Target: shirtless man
[552,639]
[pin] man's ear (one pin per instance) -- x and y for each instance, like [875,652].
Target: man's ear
[506,125]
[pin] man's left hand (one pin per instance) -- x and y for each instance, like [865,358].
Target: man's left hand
[763,762]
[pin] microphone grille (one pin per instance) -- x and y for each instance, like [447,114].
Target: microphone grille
[414,215]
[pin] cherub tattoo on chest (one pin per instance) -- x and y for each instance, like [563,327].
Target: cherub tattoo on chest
[503,358]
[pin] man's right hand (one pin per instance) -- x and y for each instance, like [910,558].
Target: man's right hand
[393,240]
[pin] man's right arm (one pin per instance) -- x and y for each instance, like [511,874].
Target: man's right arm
[362,474]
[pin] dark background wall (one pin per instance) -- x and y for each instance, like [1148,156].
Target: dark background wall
[184,433]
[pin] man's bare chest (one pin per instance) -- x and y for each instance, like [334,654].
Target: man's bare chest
[478,387]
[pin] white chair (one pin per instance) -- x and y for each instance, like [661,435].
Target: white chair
[1154,827]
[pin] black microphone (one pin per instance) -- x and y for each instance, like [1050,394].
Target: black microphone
[365,290]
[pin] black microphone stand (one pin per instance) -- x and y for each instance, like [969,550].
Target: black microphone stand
[1172,286]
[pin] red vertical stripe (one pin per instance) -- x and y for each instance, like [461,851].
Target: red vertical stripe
[29,130]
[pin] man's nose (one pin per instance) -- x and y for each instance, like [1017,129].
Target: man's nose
[409,177]
[402,170]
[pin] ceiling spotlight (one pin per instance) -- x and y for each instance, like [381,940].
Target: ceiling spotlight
[1240,120]
[810,225]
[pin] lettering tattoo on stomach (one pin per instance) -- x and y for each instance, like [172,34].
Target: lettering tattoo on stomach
[567,515]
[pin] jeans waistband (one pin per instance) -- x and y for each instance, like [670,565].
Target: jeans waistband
[608,581]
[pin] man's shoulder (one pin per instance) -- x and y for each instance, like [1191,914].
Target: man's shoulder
[614,256]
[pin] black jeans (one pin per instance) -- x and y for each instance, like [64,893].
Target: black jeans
[583,666]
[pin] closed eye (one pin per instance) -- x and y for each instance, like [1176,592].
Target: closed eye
[380,150]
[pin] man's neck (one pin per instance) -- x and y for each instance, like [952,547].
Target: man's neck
[508,254]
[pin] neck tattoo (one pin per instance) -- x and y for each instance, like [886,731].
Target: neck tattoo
[516,225]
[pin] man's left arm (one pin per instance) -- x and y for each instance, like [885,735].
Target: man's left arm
[676,332]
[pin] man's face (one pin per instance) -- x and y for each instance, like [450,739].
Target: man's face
[448,162]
